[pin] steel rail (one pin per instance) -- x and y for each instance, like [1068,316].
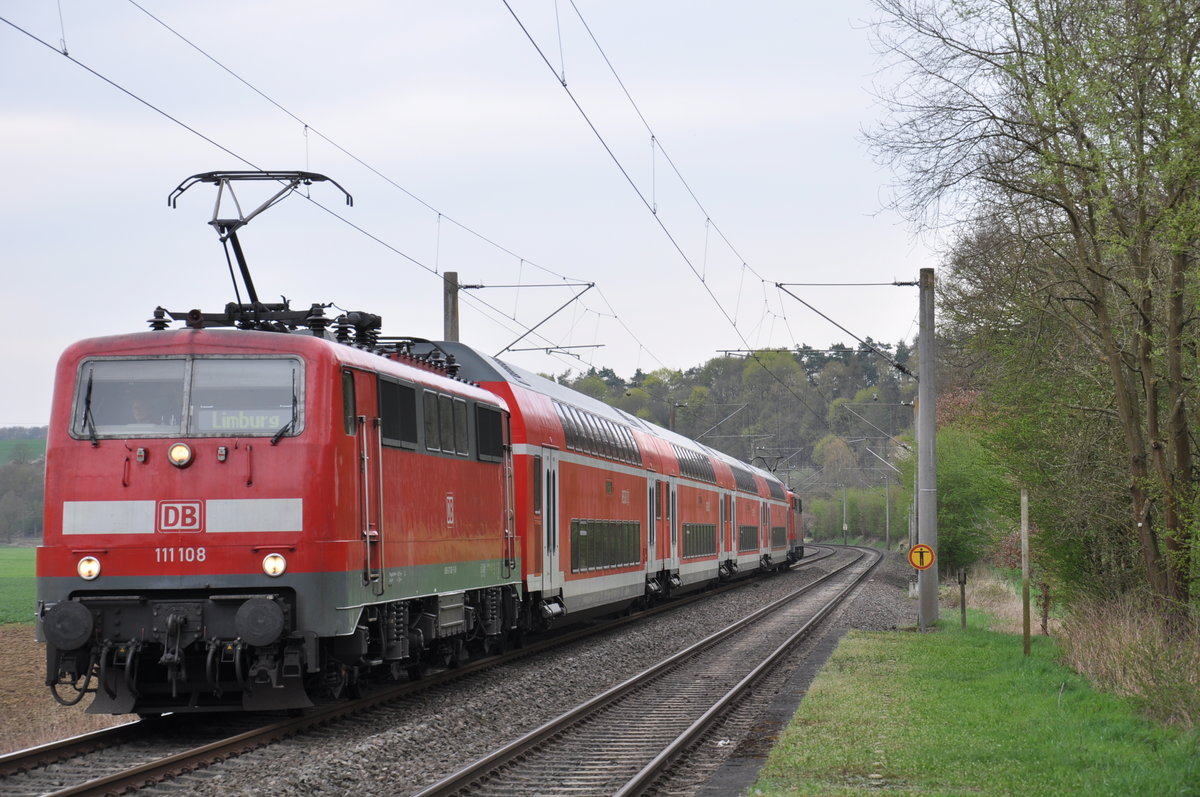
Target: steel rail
[473,774]
[659,763]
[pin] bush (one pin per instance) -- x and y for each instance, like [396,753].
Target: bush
[1129,648]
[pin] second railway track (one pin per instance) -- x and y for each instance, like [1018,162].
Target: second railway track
[621,741]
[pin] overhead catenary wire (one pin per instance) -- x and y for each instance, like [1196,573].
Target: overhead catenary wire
[656,140]
[657,144]
[898,366]
[254,166]
[762,325]
[651,207]
[308,127]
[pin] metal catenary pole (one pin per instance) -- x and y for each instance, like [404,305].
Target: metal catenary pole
[927,580]
[450,306]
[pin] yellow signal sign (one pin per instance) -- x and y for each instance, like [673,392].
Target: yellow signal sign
[921,557]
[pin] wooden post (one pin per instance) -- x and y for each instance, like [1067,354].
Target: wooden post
[962,594]
[1025,566]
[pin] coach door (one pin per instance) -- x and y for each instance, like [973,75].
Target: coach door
[368,473]
[651,525]
[551,558]
[726,529]
[673,525]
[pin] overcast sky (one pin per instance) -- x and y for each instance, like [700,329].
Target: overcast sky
[463,152]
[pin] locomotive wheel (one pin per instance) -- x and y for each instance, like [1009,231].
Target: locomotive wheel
[354,686]
[516,638]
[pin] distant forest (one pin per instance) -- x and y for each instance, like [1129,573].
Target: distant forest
[23,432]
[834,424]
[22,449]
[800,412]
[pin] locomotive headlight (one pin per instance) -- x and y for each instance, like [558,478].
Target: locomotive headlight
[180,455]
[274,564]
[88,568]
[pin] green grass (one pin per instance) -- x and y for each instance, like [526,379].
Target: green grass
[18,594]
[963,712]
[29,449]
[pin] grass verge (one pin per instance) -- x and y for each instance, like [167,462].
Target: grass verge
[18,588]
[962,711]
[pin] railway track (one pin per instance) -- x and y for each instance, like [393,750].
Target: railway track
[141,753]
[621,741]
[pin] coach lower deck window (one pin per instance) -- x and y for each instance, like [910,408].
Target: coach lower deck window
[747,538]
[604,544]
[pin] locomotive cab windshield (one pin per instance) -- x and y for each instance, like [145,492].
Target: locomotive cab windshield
[188,396]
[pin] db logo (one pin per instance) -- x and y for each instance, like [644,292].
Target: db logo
[180,516]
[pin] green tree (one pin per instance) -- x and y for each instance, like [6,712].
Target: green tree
[1066,132]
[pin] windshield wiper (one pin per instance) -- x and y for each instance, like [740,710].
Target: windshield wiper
[88,419]
[292,423]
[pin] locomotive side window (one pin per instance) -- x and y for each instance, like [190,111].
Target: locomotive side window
[446,419]
[197,396]
[433,436]
[398,413]
[447,426]
[489,430]
[462,440]
[349,423]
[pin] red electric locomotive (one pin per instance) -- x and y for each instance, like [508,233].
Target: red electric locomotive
[256,508]
[232,515]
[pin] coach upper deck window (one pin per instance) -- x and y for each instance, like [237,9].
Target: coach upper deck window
[194,396]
